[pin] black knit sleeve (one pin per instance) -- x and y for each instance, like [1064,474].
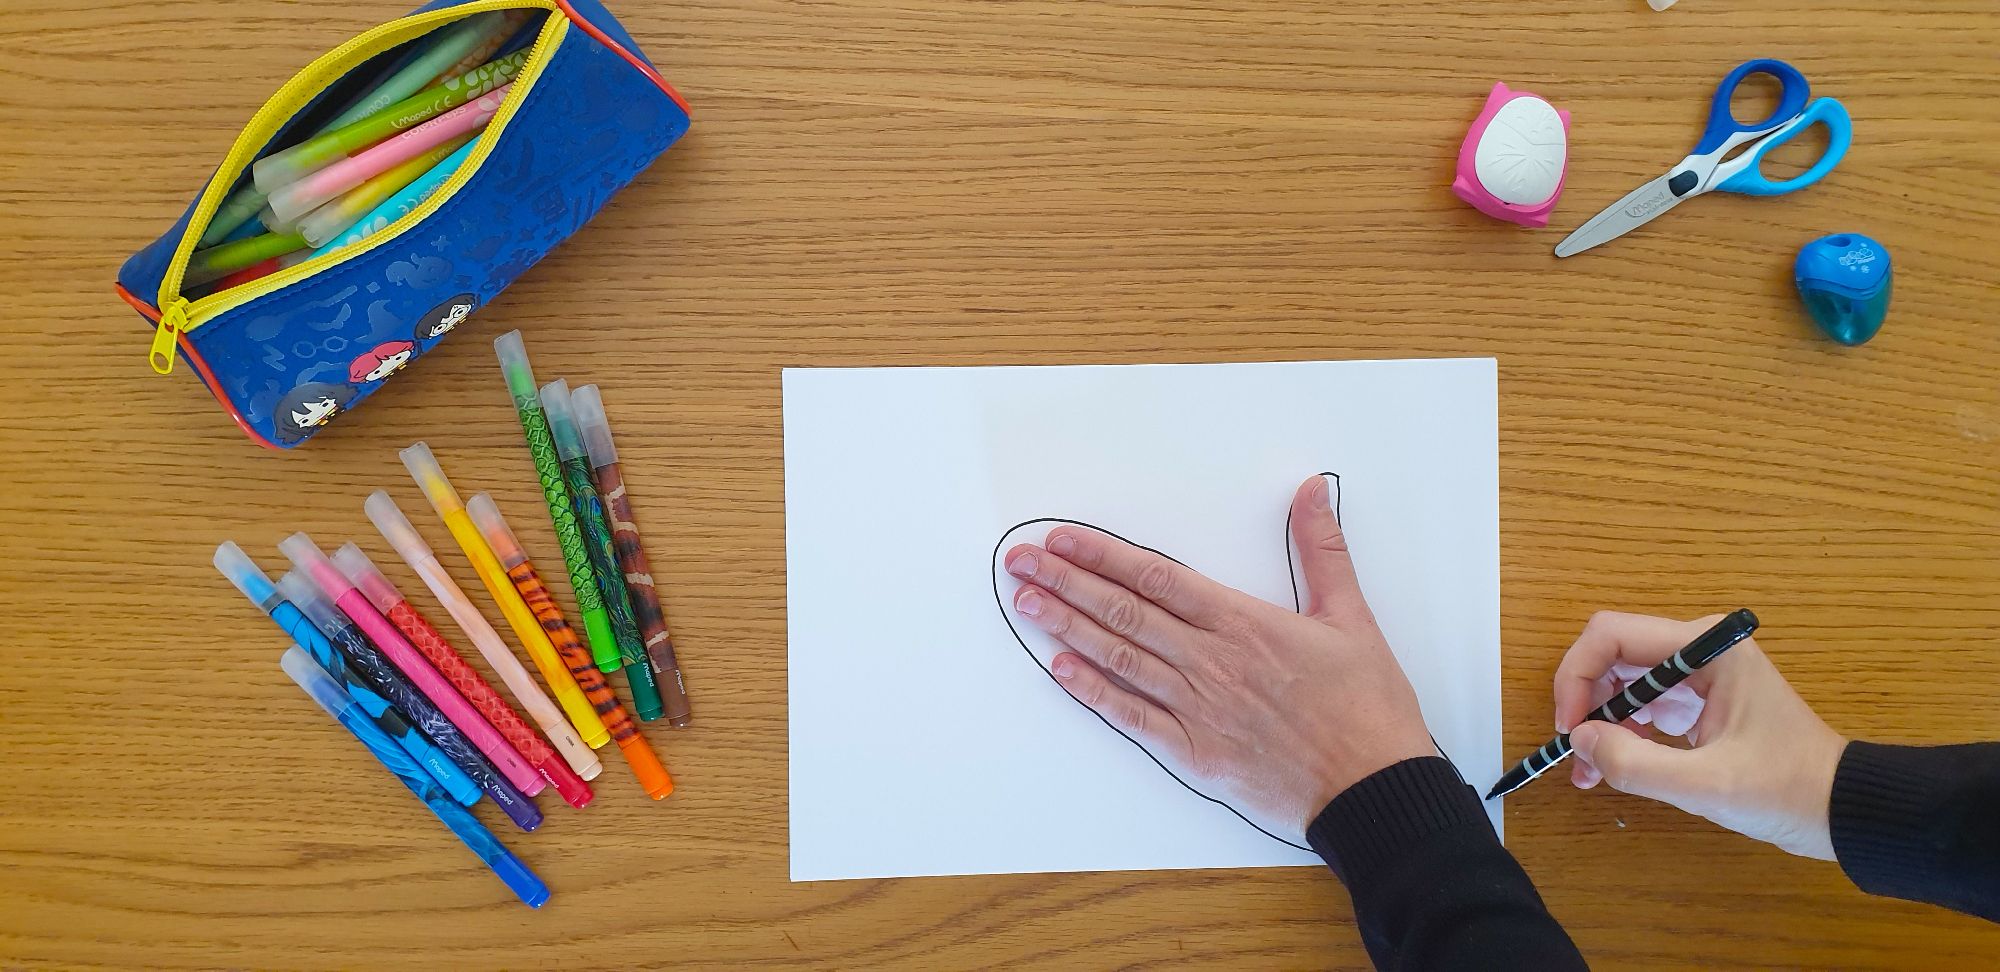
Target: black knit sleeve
[1432,886]
[1921,823]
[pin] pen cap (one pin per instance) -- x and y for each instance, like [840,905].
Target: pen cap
[294,587]
[396,528]
[486,516]
[588,404]
[515,368]
[317,683]
[365,575]
[310,561]
[555,404]
[245,574]
[424,468]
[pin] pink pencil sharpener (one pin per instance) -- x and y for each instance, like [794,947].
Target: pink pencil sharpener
[1511,165]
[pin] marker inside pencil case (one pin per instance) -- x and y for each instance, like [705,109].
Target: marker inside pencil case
[424,468]
[520,377]
[322,225]
[590,517]
[217,262]
[296,199]
[248,578]
[396,528]
[274,171]
[439,652]
[379,674]
[311,561]
[444,47]
[397,205]
[588,404]
[639,754]
[299,666]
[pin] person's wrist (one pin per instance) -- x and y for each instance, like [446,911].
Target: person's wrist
[1337,776]
[1813,789]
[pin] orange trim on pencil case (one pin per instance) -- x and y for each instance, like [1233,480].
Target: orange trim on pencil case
[619,49]
[201,367]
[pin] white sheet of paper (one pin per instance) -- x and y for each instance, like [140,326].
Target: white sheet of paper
[925,741]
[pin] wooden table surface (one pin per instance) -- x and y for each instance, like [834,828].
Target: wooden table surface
[875,182]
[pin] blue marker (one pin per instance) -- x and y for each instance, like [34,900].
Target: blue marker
[378,673]
[321,686]
[255,585]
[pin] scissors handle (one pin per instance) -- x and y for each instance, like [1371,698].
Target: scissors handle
[1741,173]
[1722,123]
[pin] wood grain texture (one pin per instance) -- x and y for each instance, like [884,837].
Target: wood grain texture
[955,182]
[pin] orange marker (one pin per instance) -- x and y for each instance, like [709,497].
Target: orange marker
[638,754]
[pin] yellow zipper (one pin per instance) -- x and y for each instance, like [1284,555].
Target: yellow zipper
[179,315]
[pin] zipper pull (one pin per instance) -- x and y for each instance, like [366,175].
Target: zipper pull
[173,320]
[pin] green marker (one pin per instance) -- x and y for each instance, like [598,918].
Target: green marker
[541,445]
[589,510]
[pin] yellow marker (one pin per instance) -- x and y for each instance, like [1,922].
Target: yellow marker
[425,469]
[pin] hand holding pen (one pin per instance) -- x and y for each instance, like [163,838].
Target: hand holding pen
[1760,761]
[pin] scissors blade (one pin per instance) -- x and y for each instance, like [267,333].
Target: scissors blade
[1639,206]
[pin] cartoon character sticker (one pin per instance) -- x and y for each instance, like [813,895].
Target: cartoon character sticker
[307,407]
[444,317]
[381,361]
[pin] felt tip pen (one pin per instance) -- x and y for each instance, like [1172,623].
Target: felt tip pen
[344,710]
[255,585]
[639,754]
[381,675]
[444,499]
[396,528]
[1706,647]
[596,529]
[588,404]
[429,642]
[307,557]
[520,377]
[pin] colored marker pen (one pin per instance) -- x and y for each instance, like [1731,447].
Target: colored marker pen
[307,557]
[439,652]
[548,467]
[244,573]
[508,868]
[589,510]
[383,677]
[396,528]
[521,572]
[591,424]
[444,499]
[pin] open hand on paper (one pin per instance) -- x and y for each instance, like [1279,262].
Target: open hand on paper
[1272,711]
[1761,761]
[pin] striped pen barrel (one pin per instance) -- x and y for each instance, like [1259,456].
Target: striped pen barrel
[1705,648]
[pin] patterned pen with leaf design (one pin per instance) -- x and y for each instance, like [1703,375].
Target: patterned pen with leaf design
[588,405]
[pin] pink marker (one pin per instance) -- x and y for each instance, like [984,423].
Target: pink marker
[311,562]
[292,202]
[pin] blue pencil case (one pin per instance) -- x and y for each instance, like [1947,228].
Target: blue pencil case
[288,351]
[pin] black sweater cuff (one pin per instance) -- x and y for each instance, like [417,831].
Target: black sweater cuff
[1385,815]
[1919,823]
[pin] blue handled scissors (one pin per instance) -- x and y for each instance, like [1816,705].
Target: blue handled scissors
[1707,169]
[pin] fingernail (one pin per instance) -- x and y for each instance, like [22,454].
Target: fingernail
[1062,545]
[1029,603]
[1562,725]
[1319,491]
[1063,666]
[1023,566]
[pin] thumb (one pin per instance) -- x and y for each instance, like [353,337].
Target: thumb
[1638,766]
[1332,592]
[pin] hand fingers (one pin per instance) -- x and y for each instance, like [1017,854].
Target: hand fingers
[1130,714]
[1638,766]
[1134,666]
[1176,587]
[1612,637]
[1114,608]
[1332,591]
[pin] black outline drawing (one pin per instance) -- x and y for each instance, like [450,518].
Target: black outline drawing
[1291,567]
